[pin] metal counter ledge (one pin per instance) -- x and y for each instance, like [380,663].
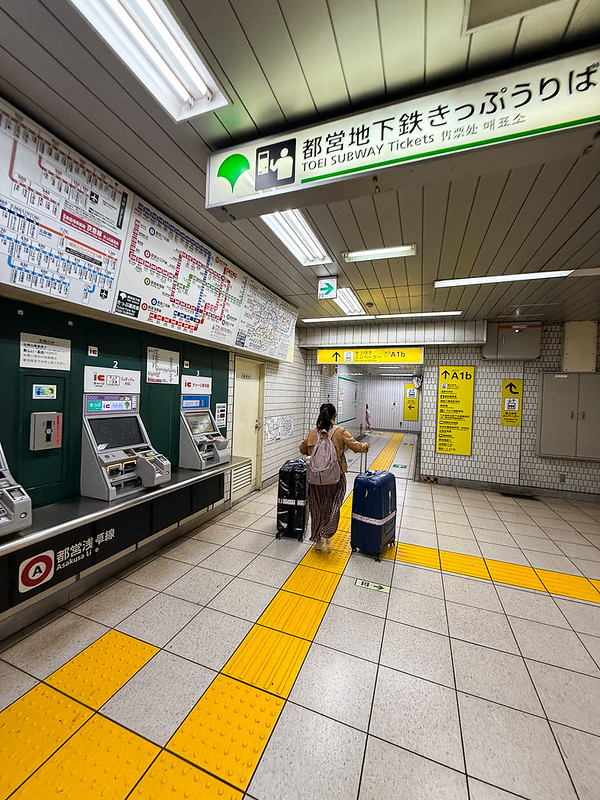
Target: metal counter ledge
[68,514]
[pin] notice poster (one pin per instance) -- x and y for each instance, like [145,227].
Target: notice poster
[162,366]
[455,410]
[267,322]
[62,220]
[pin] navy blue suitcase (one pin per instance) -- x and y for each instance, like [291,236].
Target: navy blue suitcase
[291,499]
[373,524]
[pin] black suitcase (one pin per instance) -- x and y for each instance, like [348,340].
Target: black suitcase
[373,522]
[291,499]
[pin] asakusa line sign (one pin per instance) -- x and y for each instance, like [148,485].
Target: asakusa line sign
[529,102]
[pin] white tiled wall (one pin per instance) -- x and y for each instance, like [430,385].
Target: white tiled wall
[501,454]
[285,395]
[322,387]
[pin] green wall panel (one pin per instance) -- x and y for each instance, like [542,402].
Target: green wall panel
[53,475]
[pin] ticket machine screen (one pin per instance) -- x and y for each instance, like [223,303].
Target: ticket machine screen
[111,432]
[200,422]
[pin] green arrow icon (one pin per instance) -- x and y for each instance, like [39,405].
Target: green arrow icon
[327,288]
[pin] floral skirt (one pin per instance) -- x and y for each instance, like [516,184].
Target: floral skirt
[324,503]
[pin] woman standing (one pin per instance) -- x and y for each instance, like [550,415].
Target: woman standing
[324,502]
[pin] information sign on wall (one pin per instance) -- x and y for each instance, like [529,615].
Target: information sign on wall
[162,366]
[371,355]
[536,100]
[411,403]
[512,402]
[70,231]
[455,410]
[45,352]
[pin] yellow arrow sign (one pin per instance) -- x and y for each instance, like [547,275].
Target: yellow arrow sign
[371,355]
[411,402]
[512,402]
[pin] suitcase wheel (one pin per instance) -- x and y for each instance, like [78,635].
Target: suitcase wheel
[278,535]
[355,549]
[301,538]
[377,557]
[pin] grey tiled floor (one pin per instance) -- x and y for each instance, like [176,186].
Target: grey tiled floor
[446,687]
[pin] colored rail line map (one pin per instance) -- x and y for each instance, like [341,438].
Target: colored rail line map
[70,231]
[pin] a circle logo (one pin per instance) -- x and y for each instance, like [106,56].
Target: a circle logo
[36,571]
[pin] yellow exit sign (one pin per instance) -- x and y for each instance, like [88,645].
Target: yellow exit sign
[371,355]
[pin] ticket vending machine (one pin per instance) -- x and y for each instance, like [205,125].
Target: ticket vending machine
[200,442]
[15,503]
[117,457]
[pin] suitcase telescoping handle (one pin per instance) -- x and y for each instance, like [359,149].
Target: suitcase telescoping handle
[366,456]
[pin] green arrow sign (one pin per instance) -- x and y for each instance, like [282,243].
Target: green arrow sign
[370,585]
[327,289]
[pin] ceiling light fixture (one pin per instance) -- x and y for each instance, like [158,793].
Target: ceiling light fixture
[521,276]
[381,252]
[296,234]
[340,319]
[421,314]
[151,43]
[348,302]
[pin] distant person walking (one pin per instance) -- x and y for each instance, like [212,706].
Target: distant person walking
[325,498]
[368,418]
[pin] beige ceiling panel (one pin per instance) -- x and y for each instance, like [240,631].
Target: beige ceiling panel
[229,44]
[402,44]
[562,249]
[559,208]
[460,205]
[411,218]
[493,44]
[434,214]
[547,184]
[316,47]
[357,38]
[487,197]
[585,18]
[270,41]
[544,26]
[514,194]
[446,48]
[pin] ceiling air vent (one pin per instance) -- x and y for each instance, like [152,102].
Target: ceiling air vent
[484,12]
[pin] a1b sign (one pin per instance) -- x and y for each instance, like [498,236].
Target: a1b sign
[35,571]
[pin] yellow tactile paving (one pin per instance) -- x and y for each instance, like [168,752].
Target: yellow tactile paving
[568,585]
[102,760]
[474,566]
[414,554]
[514,574]
[499,571]
[268,659]
[595,583]
[31,729]
[293,614]
[331,562]
[170,777]
[226,731]
[316,583]
[103,668]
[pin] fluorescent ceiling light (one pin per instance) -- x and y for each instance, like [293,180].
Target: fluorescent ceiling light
[348,302]
[294,231]
[421,314]
[381,252]
[340,319]
[148,39]
[520,276]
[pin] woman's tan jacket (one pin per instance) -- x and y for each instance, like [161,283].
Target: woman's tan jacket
[341,439]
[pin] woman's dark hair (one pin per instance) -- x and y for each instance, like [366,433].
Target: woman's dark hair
[326,413]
